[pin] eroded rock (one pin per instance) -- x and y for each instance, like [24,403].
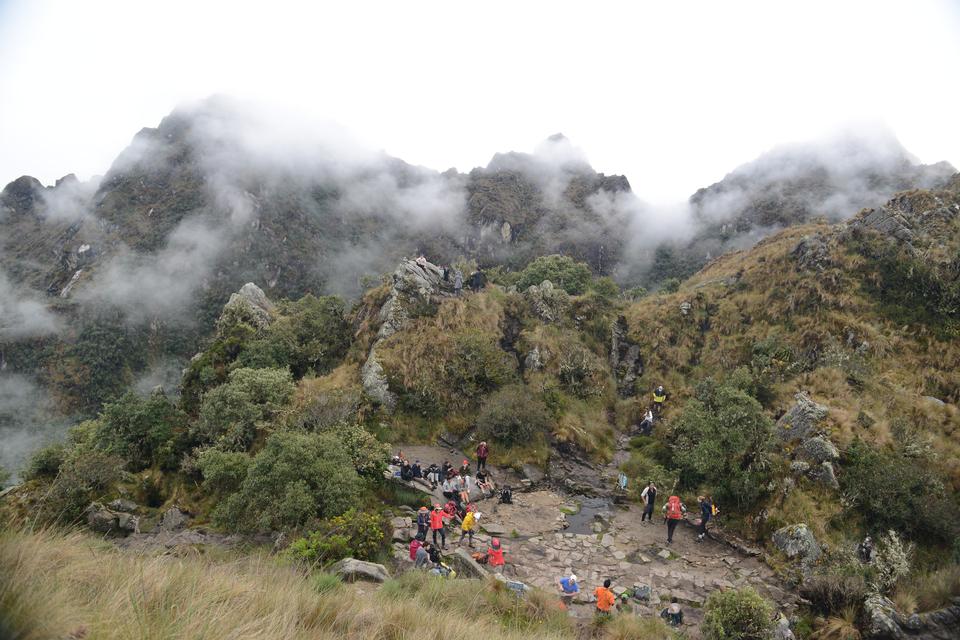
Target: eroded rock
[801,420]
[351,570]
[796,541]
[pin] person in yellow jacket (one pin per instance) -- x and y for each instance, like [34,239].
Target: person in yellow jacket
[468,527]
[659,397]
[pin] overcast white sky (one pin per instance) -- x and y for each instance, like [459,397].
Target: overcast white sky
[672,94]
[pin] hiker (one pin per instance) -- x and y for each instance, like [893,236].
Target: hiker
[568,589]
[416,470]
[622,482]
[434,554]
[415,544]
[433,475]
[464,467]
[468,527]
[659,397]
[506,495]
[466,486]
[673,614]
[495,555]
[674,510]
[484,483]
[406,472]
[436,525]
[706,511]
[605,599]
[865,550]
[478,280]
[449,489]
[482,452]
[457,282]
[454,511]
[446,274]
[423,523]
[646,425]
[446,470]
[422,556]
[649,497]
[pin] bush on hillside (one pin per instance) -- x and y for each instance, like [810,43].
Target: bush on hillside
[564,272]
[83,476]
[605,287]
[723,439]
[369,455]
[581,372]
[737,615]
[294,479]
[355,534]
[223,471]
[231,413]
[45,462]
[478,366]
[141,430]
[670,285]
[513,416]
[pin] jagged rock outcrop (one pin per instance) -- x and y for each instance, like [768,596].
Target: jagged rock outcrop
[173,519]
[796,541]
[251,304]
[801,420]
[912,218]
[818,449]
[812,253]
[625,358]
[548,302]
[352,570]
[104,520]
[884,622]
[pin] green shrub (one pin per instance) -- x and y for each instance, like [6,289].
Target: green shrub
[141,430]
[581,372]
[83,477]
[564,272]
[737,615]
[355,534]
[45,462]
[478,366]
[368,454]
[231,413]
[223,471]
[605,287]
[723,439]
[670,285]
[513,416]
[294,479]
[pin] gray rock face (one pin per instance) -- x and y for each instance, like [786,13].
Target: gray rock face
[625,358]
[801,420]
[549,303]
[103,520]
[374,382]
[818,449]
[884,622]
[824,474]
[252,303]
[797,541]
[533,361]
[532,473]
[120,504]
[466,566]
[173,519]
[812,253]
[352,570]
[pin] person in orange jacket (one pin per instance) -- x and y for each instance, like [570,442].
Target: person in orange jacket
[605,599]
[437,517]
[674,510]
[495,555]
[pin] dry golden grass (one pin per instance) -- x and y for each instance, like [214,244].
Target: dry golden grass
[842,627]
[58,584]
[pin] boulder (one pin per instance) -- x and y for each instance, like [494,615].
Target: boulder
[173,519]
[800,467]
[801,420]
[251,304]
[532,473]
[796,541]
[532,361]
[374,382]
[103,520]
[466,566]
[812,253]
[351,570]
[824,474]
[882,621]
[121,504]
[625,358]
[818,449]
[783,631]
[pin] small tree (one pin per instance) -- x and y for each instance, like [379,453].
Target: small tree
[737,615]
[571,276]
[892,564]
[223,471]
[478,365]
[513,416]
[231,413]
[141,430]
[355,534]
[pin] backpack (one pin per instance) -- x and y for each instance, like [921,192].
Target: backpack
[714,509]
[673,508]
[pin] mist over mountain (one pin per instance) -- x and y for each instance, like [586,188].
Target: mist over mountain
[116,281]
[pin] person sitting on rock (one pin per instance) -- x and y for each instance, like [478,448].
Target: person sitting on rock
[447,470]
[673,614]
[416,470]
[449,490]
[485,484]
[568,589]
[605,599]
[406,472]
[464,467]
[466,486]
[495,555]
[646,425]
[422,557]
[433,475]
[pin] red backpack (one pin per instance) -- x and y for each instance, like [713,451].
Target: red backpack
[674,512]
[414,547]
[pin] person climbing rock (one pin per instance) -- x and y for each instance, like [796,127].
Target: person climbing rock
[422,557]
[673,614]
[568,589]
[482,452]
[646,425]
[437,517]
[865,550]
[457,282]
[674,510]
[659,398]
[649,497]
[423,523]
[706,512]
[495,555]
[468,527]
[605,599]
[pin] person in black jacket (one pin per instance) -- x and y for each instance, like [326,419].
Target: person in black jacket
[706,512]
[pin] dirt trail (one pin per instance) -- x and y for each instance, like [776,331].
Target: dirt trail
[609,541]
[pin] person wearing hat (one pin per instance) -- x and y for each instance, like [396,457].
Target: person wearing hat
[568,589]
[423,523]
[436,525]
[468,527]
[482,452]
[464,467]
[673,614]
[495,555]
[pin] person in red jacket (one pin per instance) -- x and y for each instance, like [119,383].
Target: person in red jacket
[674,512]
[495,555]
[482,452]
[436,525]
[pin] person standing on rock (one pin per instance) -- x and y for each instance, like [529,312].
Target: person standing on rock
[605,599]
[468,527]
[568,589]
[674,510]
[649,497]
[659,398]
[706,512]
[482,452]
[436,525]
[423,523]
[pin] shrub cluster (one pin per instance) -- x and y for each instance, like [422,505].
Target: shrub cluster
[513,417]
[737,615]
[354,534]
[564,272]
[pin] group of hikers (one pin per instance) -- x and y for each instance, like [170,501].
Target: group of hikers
[607,602]
[674,510]
[654,411]
[452,275]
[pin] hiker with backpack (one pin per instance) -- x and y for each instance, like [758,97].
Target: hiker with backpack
[423,523]
[422,556]
[482,452]
[605,599]
[495,555]
[659,398]
[673,614]
[437,517]
[673,513]
[469,527]
[649,497]
[457,282]
[706,512]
